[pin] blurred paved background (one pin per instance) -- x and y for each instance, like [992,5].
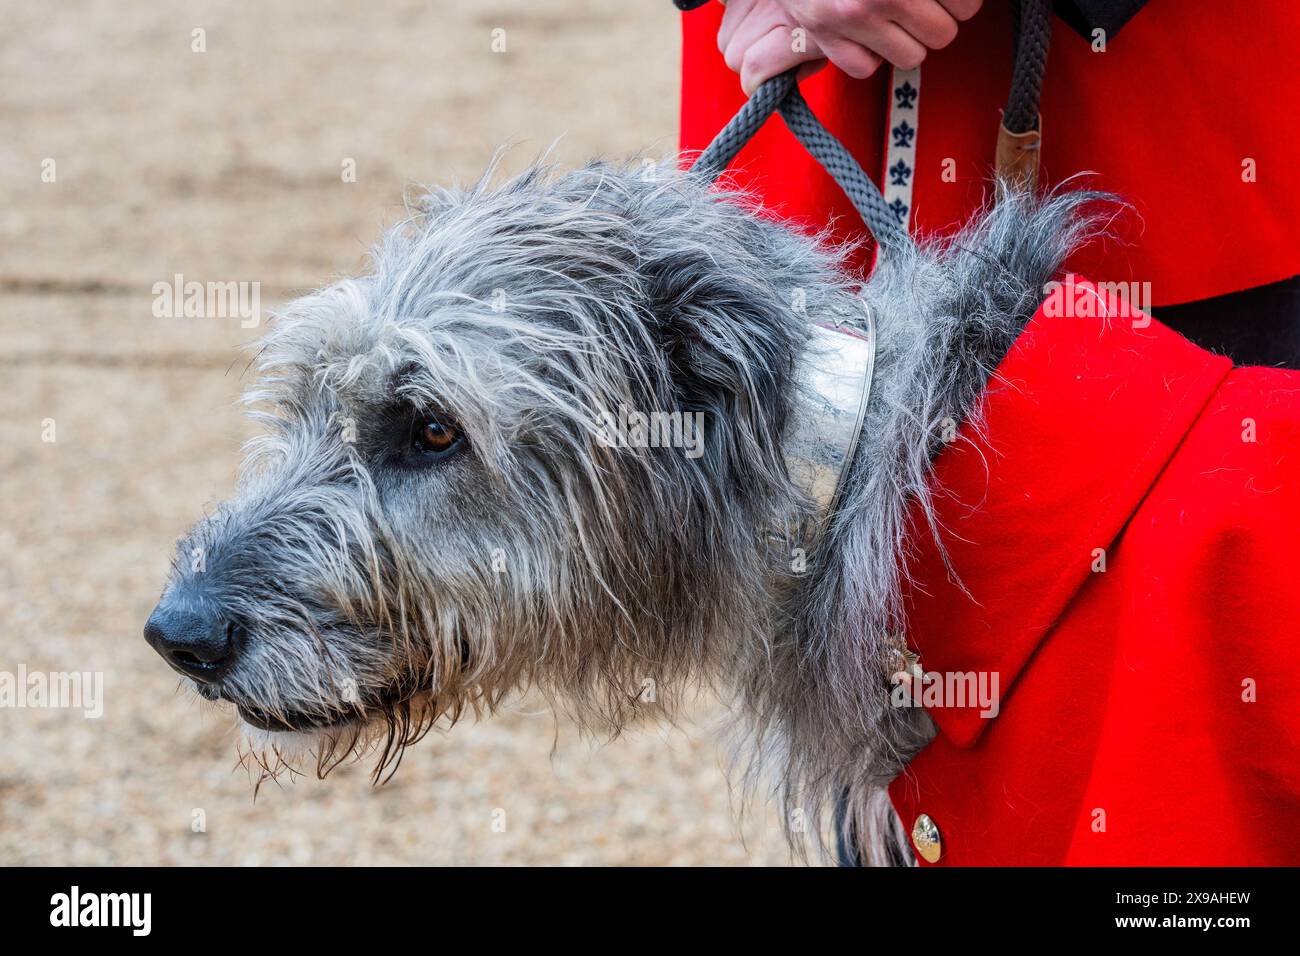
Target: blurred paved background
[225,166]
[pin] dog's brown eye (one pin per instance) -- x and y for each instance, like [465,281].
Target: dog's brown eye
[434,435]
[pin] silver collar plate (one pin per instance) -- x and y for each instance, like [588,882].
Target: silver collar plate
[833,386]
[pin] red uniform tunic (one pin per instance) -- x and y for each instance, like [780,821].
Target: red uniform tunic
[1125,529]
[1190,102]
[1126,532]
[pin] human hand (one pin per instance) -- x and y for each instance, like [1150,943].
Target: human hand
[758,42]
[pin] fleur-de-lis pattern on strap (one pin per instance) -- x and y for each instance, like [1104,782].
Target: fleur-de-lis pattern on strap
[900,148]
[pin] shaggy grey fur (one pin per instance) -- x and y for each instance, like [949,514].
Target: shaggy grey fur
[381,594]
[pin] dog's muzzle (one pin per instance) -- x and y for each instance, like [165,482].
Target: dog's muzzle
[195,640]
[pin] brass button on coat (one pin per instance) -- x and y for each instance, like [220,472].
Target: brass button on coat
[925,837]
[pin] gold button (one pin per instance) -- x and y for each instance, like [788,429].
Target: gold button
[925,837]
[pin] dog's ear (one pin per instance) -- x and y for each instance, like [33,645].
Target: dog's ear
[730,295]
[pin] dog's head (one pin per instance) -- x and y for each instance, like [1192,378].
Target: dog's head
[537,444]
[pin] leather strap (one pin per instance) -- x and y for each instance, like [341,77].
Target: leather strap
[1017,155]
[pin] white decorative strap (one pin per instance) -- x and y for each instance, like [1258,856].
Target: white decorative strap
[900,149]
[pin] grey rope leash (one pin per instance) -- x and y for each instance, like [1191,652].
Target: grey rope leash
[883,222]
[742,127]
[781,94]
[1018,141]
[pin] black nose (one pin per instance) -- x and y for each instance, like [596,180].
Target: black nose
[198,644]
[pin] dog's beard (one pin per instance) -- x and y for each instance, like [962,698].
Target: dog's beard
[382,729]
[377,724]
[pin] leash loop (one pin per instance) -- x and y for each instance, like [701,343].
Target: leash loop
[1019,134]
[781,94]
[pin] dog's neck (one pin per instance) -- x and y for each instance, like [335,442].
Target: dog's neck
[947,315]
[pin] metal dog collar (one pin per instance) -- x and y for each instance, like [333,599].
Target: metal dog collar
[833,386]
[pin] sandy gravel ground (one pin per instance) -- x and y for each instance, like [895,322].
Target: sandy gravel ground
[225,166]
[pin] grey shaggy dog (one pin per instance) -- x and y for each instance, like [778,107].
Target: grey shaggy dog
[434,519]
